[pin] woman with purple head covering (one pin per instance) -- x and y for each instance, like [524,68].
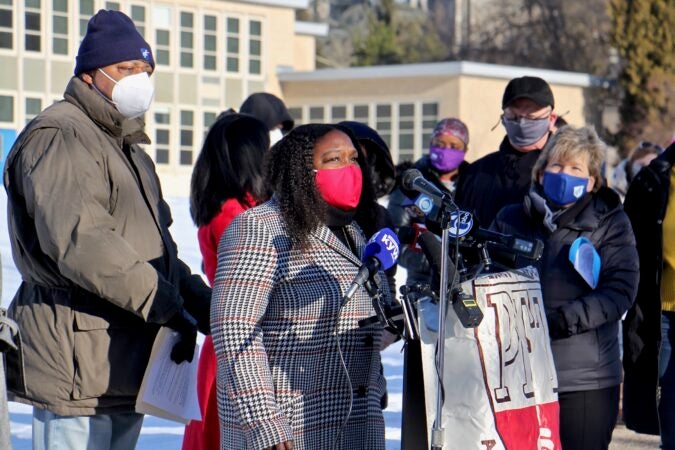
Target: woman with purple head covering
[441,166]
[447,148]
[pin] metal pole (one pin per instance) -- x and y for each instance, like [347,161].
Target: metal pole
[438,431]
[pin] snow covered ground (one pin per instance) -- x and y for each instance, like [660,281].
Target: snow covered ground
[159,433]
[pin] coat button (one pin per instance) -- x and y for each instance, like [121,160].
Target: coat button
[368,341]
[361,391]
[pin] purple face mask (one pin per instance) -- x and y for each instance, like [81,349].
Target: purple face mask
[446,159]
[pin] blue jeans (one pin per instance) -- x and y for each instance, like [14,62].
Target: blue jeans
[101,432]
[667,381]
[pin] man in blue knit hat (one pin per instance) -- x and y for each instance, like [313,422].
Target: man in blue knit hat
[90,235]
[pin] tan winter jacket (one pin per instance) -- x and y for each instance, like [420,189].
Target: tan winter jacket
[89,234]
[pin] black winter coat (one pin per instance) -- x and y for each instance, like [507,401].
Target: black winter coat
[585,321]
[645,205]
[494,181]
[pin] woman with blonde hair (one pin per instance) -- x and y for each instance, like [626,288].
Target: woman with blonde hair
[569,209]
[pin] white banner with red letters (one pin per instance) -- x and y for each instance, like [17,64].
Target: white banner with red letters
[499,379]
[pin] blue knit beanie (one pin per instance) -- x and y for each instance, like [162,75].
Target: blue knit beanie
[111,37]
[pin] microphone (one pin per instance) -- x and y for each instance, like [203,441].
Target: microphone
[413,180]
[381,253]
[431,247]
[513,244]
[465,306]
[466,230]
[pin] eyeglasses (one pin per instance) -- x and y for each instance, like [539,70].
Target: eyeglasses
[518,118]
[513,117]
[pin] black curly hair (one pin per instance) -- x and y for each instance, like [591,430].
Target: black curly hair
[289,169]
[230,165]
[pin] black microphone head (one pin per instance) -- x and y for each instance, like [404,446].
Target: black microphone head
[408,178]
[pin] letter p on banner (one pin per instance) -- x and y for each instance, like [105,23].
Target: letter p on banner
[499,379]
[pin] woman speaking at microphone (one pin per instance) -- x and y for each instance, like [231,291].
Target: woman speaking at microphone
[295,371]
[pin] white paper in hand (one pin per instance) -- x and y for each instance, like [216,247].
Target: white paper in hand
[169,390]
[586,260]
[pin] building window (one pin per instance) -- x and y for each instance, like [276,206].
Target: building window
[338,113]
[361,113]
[187,46]
[162,136]
[115,6]
[254,47]
[429,119]
[138,16]
[232,39]
[60,27]
[209,119]
[187,121]
[33,108]
[210,42]
[406,131]
[6,108]
[32,25]
[6,24]
[86,11]
[296,114]
[316,114]
[383,122]
[162,22]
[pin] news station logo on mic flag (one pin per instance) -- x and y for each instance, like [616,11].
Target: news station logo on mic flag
[384,246]
[461,222]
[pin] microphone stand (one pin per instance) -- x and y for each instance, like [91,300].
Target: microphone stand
[437,432]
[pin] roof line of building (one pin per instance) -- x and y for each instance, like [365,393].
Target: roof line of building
[296,4]
[452,68]
[311,28]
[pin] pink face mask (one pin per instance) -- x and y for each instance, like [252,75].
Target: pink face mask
[341,187]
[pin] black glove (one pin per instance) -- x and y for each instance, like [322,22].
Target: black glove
[197,296]
[186,325]
[557,325]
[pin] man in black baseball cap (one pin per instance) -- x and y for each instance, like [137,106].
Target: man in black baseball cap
[503,177]
[532,88]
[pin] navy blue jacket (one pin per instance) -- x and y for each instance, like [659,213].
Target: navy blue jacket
[583,322]
[494,181]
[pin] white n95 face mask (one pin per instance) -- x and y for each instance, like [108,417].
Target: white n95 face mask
[133,94]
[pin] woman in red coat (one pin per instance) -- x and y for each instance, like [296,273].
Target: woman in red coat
[227,179]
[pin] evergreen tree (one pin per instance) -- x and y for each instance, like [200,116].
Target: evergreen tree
[397,35]
[642,32]
[379,46]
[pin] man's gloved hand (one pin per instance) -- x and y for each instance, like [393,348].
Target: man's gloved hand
[186,325]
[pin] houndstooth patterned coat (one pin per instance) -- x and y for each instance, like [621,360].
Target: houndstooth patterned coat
[273,316]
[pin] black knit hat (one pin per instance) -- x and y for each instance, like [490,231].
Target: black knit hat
[111,38]
[533,88]
[269,109]
[378,156]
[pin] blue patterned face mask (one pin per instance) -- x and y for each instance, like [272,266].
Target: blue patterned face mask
[563,189]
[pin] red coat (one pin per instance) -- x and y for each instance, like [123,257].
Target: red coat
[205,434]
